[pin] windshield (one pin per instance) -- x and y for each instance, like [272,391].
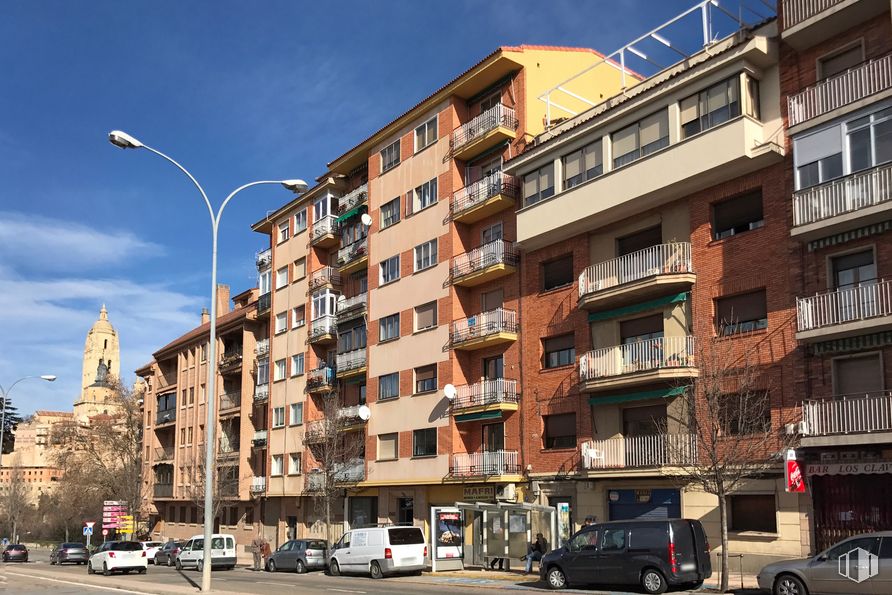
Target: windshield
[71,546]
[407,536]
[126,546]
[153,544]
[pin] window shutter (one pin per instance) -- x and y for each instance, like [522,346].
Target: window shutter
[426,315]
[625,141]
[689,109]
[409,205]
[593,156]
[572,164]
[654,127]
[858,375]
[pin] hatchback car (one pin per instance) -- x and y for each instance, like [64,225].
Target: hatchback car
[299,555]
[167,553]
[115,556]
[69,552]
[151,548]
[16,552]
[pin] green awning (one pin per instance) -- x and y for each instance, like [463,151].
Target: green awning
[478,416]
[639,307]
[352,212]
[661,393]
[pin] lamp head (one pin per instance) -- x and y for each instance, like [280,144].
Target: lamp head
[295,186]
[49,377]
[123,140]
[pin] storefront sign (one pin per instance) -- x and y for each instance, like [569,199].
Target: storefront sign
[793,480]
[448,538]
[479,494]
[850,468]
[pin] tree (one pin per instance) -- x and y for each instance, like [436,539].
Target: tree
[11,420]
[225,482]
[16,500]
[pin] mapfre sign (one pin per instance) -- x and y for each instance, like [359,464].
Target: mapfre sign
[478,494]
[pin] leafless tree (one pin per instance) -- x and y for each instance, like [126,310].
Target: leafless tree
[16,500]
[225,481]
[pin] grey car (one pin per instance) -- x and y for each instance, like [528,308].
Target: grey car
[299,555]
[860,564]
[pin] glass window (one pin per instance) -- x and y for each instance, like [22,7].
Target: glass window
[297,364]
[390,269]
[294,463]
[297,413]
[641,138]
[278,417]
[737,215]
[324,303]
[276,467]
[613,539]
[870,140]
[284,228]
[741,313]
[747,413]
[426,379]
[426,316]
[281,322]
[390,156]
[279,370]
[389,386]
[559,351]
[752,512]
[857,375]
[426,134]
[300,221]
[425,255]
[586,540]
[424,442]
[582,165]
[389,327]
[321,208]
[263,371]
[281,277]
[538,185]
[298,316]
[560,430]
[263,282]
[390,213]
[557,273]
[491,233]
[645,537]
[388,446]
[710,107]
[352,338]
[425,195]
[839,62]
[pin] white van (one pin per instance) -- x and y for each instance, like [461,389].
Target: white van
[379,551]
[222,552]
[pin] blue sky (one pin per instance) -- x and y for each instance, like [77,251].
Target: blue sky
[236,91]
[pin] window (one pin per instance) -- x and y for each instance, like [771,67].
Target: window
[559,351]
[853,270]
[426,379]
[491,233]
[425,195]
[406,514]
[300,268]
[425,255]
[321,208]
[582,165]
[641,138]
[490,300]
[387,446]
[298,316]
[640,240]
[204,352]
[840,61]
[818,157]
[297,413]
[353,231]
[752,512]
[390,269]
[284,228]
[263,282]
[294,463]
[278,417]
[300,221]
[297,364]
[741,313]
[281,277]
[324,303]
[390,213]
[389,327]
[857,375]
[538,185]
[560,430]
[870,140]
[613,539]
[426,316]
[744,414]
[279,370]
[351,338]
[426,134]
[737,215]
[276,468]
[389,386]
[390,156]
[557,273]
[263,371]
[281,322]
[424,442]
[710,107]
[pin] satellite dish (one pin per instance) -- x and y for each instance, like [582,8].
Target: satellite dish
[449,391]
[364,413]
[366,219]
[342,298]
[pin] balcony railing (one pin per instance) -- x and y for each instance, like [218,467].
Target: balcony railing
[352,252]
[259,439]
[845,195]
[350,471]
[796,11]
[230,360]
[328,225]
[640,451]
[483,325]
[848,414]
[166,416]
[315,482]
[258,485]
[324,276]
[264,259]
[352,305]
[351,360]
[485,392]
[264,303]
[473,194]
[261,348]
[228,446]
[351,414]
[478,259]
[642,356]
[230,400]
[494,117]
[845,88]
[325,325]
[840,306]
[353,199]
[164,453]
[320,379]
[163,490]
[484,464]
[261,393]
[662,259]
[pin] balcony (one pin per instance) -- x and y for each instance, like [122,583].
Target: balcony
[845,312]
[498,394]
[230,402]
[484,330]
[807,22]
[642,362]
[351,363]
[633,452]
[323,330]
[352,471]
[230,362]
[166,416]
[485,465]
[258,485]
[167,380]
[495,125]
[264,303]
[264,259]
[352,307]
[481,265]
[326,277]
[353,257]
[162,490]
[352,418]
[261,349]
[847,419]
[843,204]
[261,393]
[325,232]
[260,439]
[353,199]
[228,447]
[164,454]
[494,193]
[636,277]
[321,380]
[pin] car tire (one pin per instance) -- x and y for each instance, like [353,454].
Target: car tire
[375,570]
[90,568]
[300,567]
[126,571]
[556,578]
[143,570]
[271,566]
[179,564]
[199,565]
[653,581]
[52,562]
[787,584]
[105,570]
[334,568]
[169,562]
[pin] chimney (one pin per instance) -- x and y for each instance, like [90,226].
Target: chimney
[222,299]
[205,317]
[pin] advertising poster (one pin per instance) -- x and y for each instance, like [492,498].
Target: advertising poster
[448,534]
[563,522]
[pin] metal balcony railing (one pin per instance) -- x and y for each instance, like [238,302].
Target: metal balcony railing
[843,305]
[350,414]
[264,303]
[320,379]
[259,439]
[482,325]
[351,360]
[328,225]
[353,199]
[228,446]
[230,400]
[844,195]
[315,482]
[662,259]
[322,277]
[352,305]
[484,464]
[352,252]
[498,115]
[350,471]
[166,416]
[261,392]
[324,325]
[848,414]
[796,11]
[163,490]
[261,348]
[640,356]
[839,90]
[485,392]
[478,259]
[482,190]
[164,453]
[230,360]
[264,259]
[657,450]
[258,485]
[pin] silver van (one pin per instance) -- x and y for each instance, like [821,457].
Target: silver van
[379,551]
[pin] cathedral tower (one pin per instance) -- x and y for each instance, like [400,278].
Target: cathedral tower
[102,363]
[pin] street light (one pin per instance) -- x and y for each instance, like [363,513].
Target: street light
[125,141]
[4,394]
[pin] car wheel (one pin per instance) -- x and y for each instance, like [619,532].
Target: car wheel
[334,568]
[375,570]
[126,571]
[90,568]
[556,578]
[143,570]
[300,567]
[652,581]
[169,561]
[179,564]
[787,584]
[52,562]
[199,566]
[105,570]
[271,566]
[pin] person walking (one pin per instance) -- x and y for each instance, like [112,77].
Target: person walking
[266,551]
[257,550]
[535,551]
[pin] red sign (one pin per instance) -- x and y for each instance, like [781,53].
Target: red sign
[794,480]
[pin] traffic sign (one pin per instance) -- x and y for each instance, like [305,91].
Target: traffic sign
[104,532]
[90,523]
[88,530]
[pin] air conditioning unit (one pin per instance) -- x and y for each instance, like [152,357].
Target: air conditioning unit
[506,493]
[803,427]
[796,428]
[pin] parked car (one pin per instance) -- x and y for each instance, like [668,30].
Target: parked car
[69,552]
[826,572]
[151,548]
[16,552]
[379,551]
[299,555]
[191,555]
[651,554]
[167,553]
[115,556]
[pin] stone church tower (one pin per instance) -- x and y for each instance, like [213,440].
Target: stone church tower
[102,363]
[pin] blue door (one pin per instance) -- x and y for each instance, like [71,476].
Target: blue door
[651,504]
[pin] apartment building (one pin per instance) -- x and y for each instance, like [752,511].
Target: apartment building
[836,96]
[175,416]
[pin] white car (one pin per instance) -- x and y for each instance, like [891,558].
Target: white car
[379,551]
[191,555]
[118,556]
[151,548]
